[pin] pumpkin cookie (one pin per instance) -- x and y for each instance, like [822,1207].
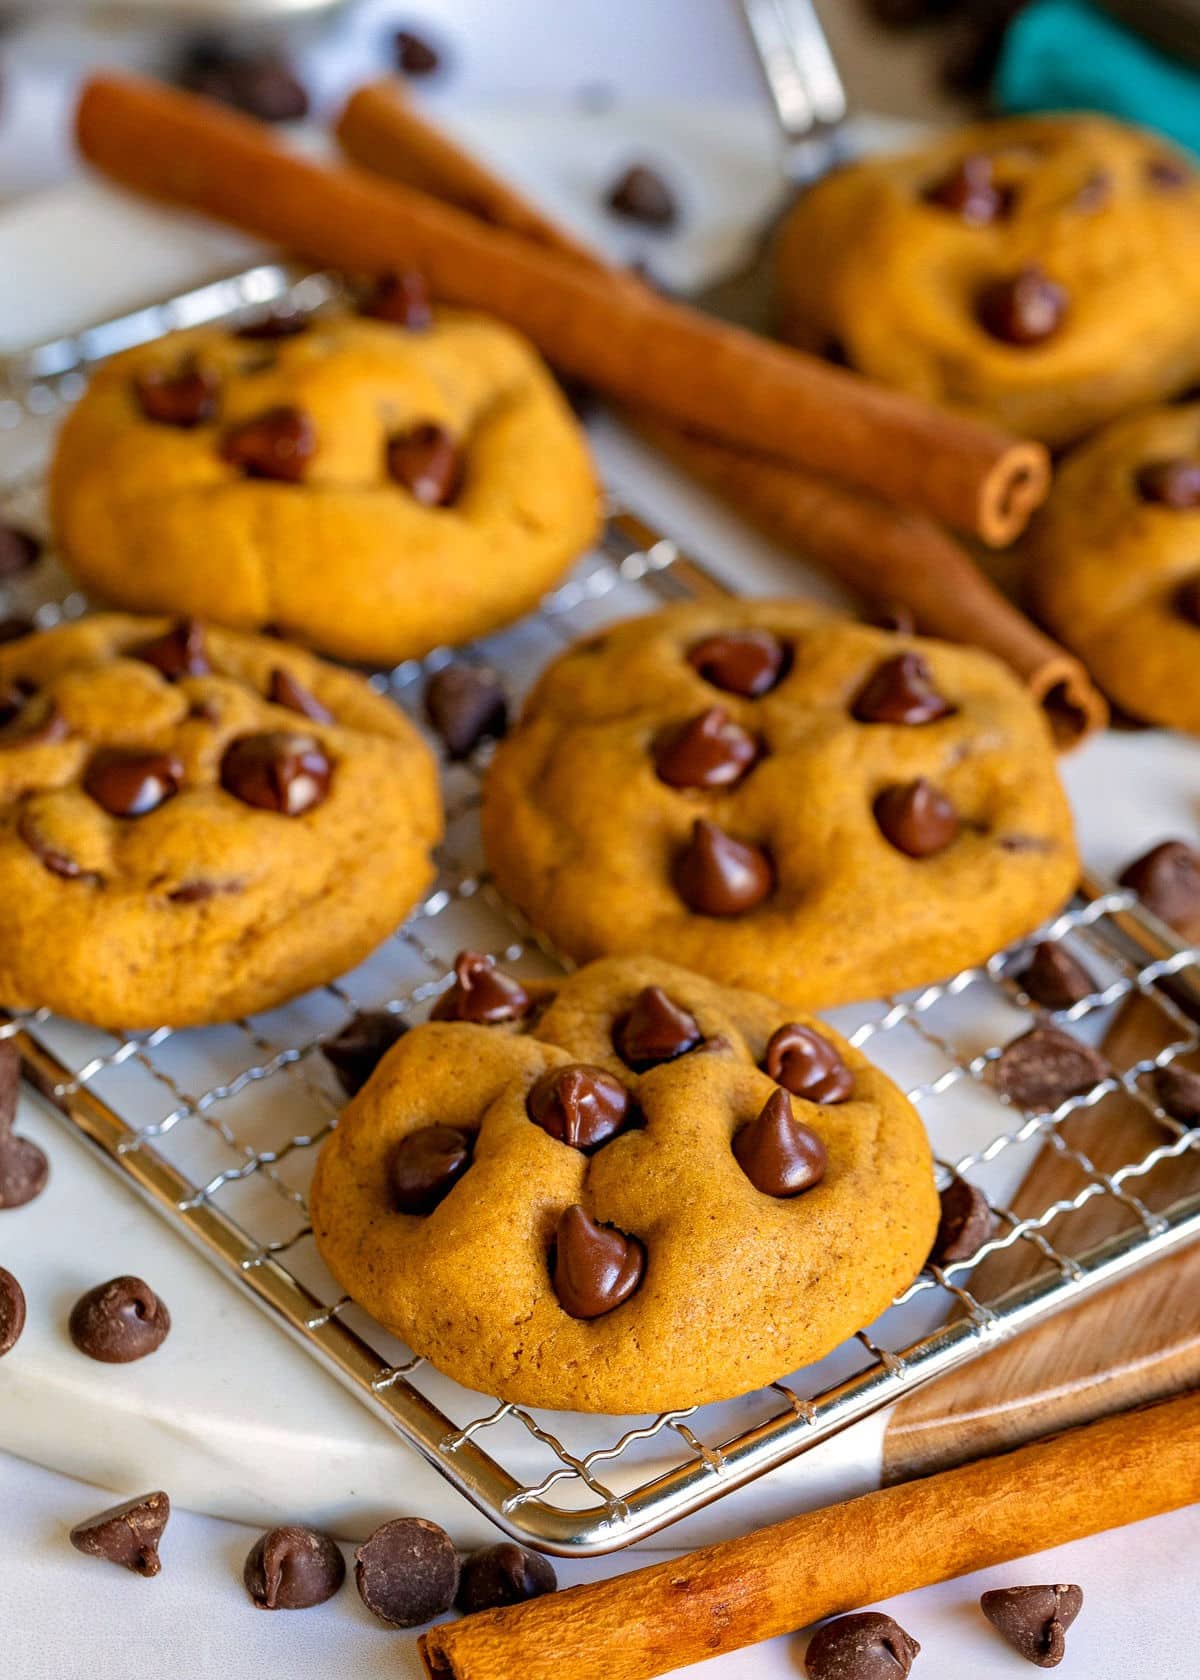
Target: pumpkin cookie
[196,825]
[372,490]
[626,1192]
[1041,271]
[780,798]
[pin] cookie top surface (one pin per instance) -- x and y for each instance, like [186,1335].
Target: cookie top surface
[1041,271]
[832,854]
[196,824]
[701,1284]
[372,490]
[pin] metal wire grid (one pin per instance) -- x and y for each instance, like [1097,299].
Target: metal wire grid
[218,1128]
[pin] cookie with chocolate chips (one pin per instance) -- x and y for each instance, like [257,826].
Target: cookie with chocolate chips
[623,1191]
[781,799]
[376,485]
[196,825]
[1042,272]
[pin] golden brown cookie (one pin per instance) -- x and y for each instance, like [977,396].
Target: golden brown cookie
[1041,271]
[780,798]
[629,1191]
[371,490]
[196,825]
[1114,562]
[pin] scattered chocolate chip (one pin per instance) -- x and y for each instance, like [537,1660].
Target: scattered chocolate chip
[481,993]
[1171,483]
[19,549]
[595,1267]
[745,662]
[180,652]
[580,1105]
[132,784]
[503,1574]
[916,818]
[654,1030]
[1167,880]
[1034,1620]
[12,1309]
[426,462]
[426,1165]
[277,772]
[259,84]
[778,1155]
[1054,978]
[1095,192]
[901,690]
[466,704]
[401,299]
[38,723]
[357,1050]
[717,875]
[1187,601]
[1025,309]
[283,322]
[284,690]
[23,1166]
[414,55]
[186,398]
[293,1568]
[12,629]
[127,1534]
[965,1224]
[277,444]
[119,1321]
[641,195]
[708,751]
[807,1065]
[971,192]
[1178,1091]
[865,1646]
[1045,1066]
[407,1572]
[1169,174]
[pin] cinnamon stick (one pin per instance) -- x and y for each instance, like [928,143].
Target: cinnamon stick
[626,341]
[778,1579]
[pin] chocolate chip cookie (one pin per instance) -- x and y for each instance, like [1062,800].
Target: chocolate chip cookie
[627,1191]
[194,824]
[1041,271]
[1114,562]
[372,489]
[781,799]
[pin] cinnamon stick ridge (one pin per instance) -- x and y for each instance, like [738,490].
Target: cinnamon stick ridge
[626,341]
[725,1597]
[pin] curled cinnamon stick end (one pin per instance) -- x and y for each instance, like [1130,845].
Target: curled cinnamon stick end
[1010,494]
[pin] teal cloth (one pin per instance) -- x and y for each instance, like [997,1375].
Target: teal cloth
[1064,55]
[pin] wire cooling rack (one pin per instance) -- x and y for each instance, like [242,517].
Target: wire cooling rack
[218,1128]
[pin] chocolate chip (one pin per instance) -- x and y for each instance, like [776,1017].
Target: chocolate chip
[199,892]
[1171,483]
[277,444]
[12,1312]
[916,818]
[1054,978]
[1167,880]
[357,1050]
[180,652]
[717,875]
[896,616]
[132,784]
[503,1574]
[401,299]
[284,690]
[50,857]
[23,1166]
[127,1534]
[414,55]
[1095,192]
[654,1030]
[1169,174]
[426,1165]
[119,1321]
[778,1155]
[259,84]
[579,1104]
[466,704]
[901,690]
[38,722]
[481,993]
[1187,600]
[293,1568]
[865,1646]
[641,195]
[745,662]
[1025,309]
[14,628]
[407,1572]
[708,751]
[14,697]
[970,191]
[425,460]
[277,772]
[186,398]
[284,322]
[807,1065]
[595,1267]
[965,1224]
[1045,1066]
[19,549]
[1178,1091]
[1034,1620]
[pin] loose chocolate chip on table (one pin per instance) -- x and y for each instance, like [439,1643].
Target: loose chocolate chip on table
[23,1166]
[284,690]
[1054,978]
[965,1223]
[180,652]
[19,549]
[865,1646]
[127,1534]
[1034,1620]
[970,190]
[414,55]
[1171,483]
[901,690]
[1025,309]
[654,1030]
[277,772]
[357,1050]
[119,1321]
[259,84]
[293,1568]
[1167,880]
[132,784]
[407,1572]
[708,751]
[745,662]
[641,195]
[466,704]
[579,1105]
[481,993]
[1178,1091]
[807,1065]
[1187,601]
[277,444]
[779,1155]
[717,875]
[12,1312]
[595,1267]
[186,398]
[426,1165]
[425,460]
[401,299]
[12,629]
[1045,1066]
[274,325]
[503,1574]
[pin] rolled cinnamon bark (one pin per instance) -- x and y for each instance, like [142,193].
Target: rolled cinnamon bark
[778,1579]
[626,341]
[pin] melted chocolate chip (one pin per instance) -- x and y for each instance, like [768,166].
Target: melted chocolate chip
[277,772]
[276,324]
[1054,978]
[595,1267]
[965,1223]
[285,690]
[654,1030]
[119,1321]
[19,550]
[1034,1620]
[1026,309]
[414,55]
[579,1104]
[127,1534]
[916,818]
[1045,1066]
[1187,600]
[293,1568]
[186,398]
[865,1646]
[38,723]
[970,192]
[466,704]
[407,1572]
[716,875]
[641,195]
[180,652]
[901,690]
[778,1155]
[401,299]
[708,751]
[425,460]
[481,993]
[807,1065]
[503,1574]
[23,1166]
[1171,483]
[12,1312]
[426,1165]
[1168,174]
[132,784]
[1167,880]
[277,444]
[357,1050]
[1178,1091]
[49,856]
[745,662]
